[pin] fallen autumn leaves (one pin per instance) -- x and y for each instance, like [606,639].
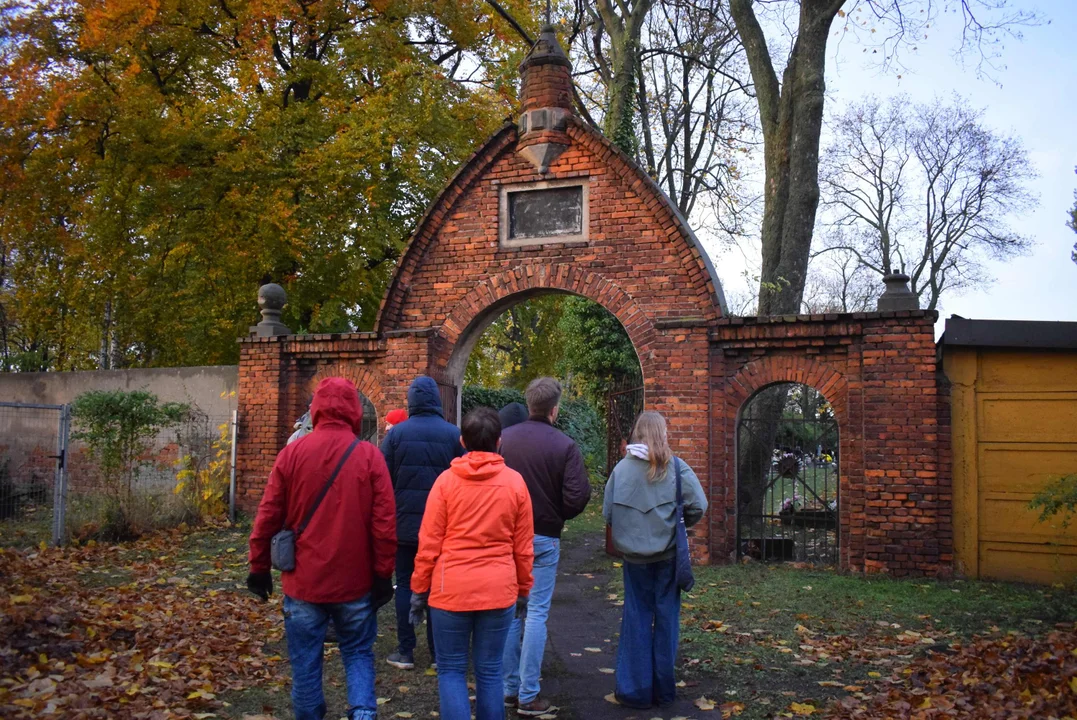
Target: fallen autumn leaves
[157,629]
[1009,677]
[160,645]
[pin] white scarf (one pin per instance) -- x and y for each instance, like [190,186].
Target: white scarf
[638,450]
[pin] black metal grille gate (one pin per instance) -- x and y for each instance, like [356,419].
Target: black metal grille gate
[787,481]
[624,403]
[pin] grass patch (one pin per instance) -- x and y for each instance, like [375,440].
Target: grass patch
[775,597]
[589,522]
[775,634]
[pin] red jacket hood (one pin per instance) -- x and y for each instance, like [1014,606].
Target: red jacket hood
[336,401]
[478,465]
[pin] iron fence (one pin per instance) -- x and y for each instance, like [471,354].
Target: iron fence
[624,403]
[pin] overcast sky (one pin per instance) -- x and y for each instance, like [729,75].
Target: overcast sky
[1035,97]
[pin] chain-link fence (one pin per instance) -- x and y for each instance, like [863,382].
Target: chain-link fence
[54,486]
[32,440]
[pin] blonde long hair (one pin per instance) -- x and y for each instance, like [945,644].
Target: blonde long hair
[650,430]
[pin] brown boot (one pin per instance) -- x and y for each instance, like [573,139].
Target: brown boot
[511,701]
[536,707]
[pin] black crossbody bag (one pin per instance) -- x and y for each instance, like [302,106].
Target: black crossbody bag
[282,548]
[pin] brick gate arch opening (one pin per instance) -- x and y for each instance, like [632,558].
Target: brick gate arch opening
[492,297]
[788,489]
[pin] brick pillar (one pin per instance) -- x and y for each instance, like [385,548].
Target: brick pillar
[264,419]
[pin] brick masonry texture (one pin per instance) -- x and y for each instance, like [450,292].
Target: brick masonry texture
[641,263]
[879,372]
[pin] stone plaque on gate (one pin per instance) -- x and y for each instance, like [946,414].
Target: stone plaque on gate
[543,213]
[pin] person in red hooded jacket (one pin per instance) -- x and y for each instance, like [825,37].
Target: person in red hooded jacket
[343,559]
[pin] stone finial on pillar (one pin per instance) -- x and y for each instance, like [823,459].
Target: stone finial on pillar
[545,101]
[897,295]
[271,298]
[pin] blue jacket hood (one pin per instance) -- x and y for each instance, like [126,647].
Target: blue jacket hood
[424,398]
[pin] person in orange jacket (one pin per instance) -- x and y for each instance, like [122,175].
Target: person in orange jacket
[473,568]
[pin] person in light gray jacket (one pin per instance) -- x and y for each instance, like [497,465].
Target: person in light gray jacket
[640,506]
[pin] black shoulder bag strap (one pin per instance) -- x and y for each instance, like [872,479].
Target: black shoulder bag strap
[321,496]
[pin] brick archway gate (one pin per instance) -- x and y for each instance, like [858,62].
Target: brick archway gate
[548,205]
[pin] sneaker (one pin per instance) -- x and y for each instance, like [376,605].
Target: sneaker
[402,661]
[535,708]
[511,701]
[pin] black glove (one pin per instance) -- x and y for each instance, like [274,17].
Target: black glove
[521,607]
[383,591]
[261,584]
[418,607]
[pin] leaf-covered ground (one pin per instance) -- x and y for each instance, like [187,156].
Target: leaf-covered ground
[162,628]
[789,642]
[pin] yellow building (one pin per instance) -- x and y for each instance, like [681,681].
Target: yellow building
[1014,429]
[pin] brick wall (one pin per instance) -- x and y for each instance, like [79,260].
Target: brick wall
[878,370]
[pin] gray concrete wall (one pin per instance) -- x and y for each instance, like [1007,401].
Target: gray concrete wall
[210,388]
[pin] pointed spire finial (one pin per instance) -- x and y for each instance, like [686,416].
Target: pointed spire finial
[548,22]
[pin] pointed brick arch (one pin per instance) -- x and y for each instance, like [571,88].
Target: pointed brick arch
[634,254]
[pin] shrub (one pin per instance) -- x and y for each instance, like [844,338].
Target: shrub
[117,427]
[1059,497]
[203,482]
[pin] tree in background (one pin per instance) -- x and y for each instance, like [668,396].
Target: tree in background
[791,109]
[597,352]
[618,64]
[158,162]
[665,80]
[569,337]
[684,99]
[926,190]
[838,283]
[524,343]
[1073,226]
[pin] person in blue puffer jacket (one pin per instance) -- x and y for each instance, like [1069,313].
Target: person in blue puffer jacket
[417,451]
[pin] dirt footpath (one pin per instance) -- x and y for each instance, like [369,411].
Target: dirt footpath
[583,619]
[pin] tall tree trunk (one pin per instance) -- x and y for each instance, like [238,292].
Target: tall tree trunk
[791,116]
[105,354]
[624,33]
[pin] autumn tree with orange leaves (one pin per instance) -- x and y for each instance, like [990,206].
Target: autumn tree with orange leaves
[160,160]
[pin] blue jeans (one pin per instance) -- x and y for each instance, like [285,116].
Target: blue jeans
[650,627]
[458,635]
[357,625]
[527,641]
[405,632]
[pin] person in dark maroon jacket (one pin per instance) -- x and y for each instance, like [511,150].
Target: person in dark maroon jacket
[552,467]
[343,560]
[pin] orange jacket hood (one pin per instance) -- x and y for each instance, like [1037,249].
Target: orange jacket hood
[336,401]
[478,465]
